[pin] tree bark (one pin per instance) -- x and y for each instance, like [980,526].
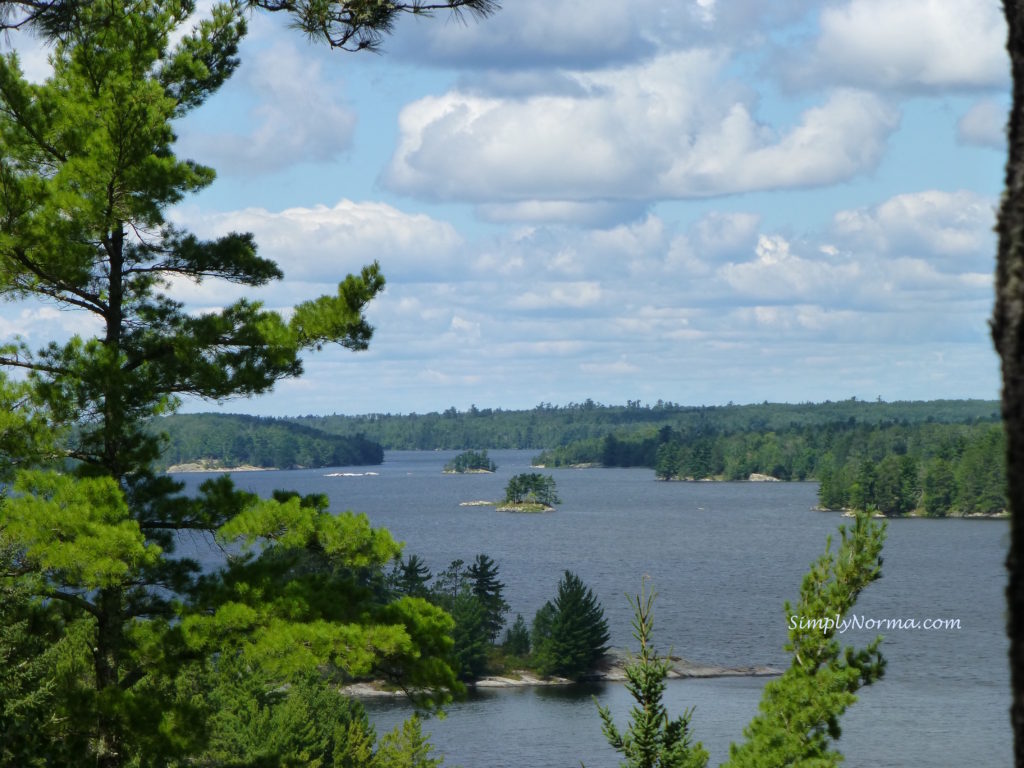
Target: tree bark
[1008,335]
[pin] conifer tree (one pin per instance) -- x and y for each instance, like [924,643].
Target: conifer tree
[484,583]
[570,634]
[87,172]
[653,740]
[798,719]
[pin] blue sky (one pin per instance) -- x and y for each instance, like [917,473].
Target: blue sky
[698,201]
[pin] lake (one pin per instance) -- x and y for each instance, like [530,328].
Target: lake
[723,558]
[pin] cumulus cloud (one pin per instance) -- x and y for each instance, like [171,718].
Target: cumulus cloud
[324,243]
[671,127]
[296,115]
[984,125]
[535,33]
[587,34]
[913,44]
[953,230]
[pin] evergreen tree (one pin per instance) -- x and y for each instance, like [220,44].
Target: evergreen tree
[410,577]
[405,747]
[531,487]
[484,583]
[798,719]
[517,638]
[87,172]
[470,635]
[652,740]
[571,635]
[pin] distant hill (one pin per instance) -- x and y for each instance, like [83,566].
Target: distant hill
[228,440]
[549,426]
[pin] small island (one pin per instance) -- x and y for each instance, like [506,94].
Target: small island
[530,492]
[470,462]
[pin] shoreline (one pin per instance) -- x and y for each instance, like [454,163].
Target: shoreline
[614,672]
[201,466]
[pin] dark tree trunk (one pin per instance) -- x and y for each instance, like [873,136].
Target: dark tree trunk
[1008,334]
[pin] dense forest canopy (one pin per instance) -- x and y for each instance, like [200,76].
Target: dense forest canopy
[552,426]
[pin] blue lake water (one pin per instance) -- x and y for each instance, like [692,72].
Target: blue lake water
[723,558]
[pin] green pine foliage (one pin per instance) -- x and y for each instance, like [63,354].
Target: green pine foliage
[222,440]
[488,590]
[405,747]
[517,639]
[471,461]
[799,713]
[118,626]
[798,720]
[532,488]
[410,577]
[570,634]
[653,740]
[581,428]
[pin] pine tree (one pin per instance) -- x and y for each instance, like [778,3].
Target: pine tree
[798,719]
[570,634]
[652,740]
[87,172]
[484,583]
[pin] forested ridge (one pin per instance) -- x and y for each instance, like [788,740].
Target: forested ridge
[231,440]
[894,468]
[548,426]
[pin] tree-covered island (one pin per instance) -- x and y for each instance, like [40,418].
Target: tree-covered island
[470,462]
[530,492]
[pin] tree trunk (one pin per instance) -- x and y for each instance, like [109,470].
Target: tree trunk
[1008,335]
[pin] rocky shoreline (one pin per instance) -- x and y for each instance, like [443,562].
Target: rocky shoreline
[613,671]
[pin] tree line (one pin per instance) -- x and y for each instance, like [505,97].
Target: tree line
[229,440]
[550,426]
[896,468]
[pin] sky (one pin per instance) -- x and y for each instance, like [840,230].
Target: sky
[697,201]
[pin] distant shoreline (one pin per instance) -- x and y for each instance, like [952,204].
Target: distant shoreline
[614,671]
[202,466]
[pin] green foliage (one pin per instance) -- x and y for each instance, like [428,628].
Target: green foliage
[570,635]
[407,747]
[473,597]
[517,638]
[410,577]
[471,461]
[531,488]
[470,635]
[576,433]
[652,739]
[255,723]
[221,440]
[120,628]
[487,589]
[799,712]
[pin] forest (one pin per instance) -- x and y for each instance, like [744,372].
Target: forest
[551,426]
[930,468]
[232,440]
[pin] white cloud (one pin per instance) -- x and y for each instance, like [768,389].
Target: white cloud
[777,274]
[575,295]
[325,243]
[671,127]
[535,33]
[297,115]
[984,125]
[952,230]
[909,44]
